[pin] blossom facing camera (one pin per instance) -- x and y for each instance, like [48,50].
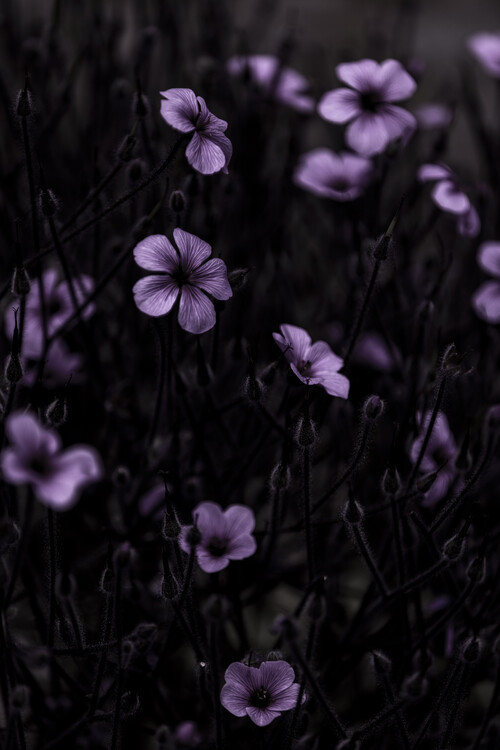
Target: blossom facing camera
[224,535]
[36,457]
[368,104]
[285,84]
[313,364]
[485,47]
[185,272]
[341,177]
[486,300]
[439,455]
[263,693]
[209,150]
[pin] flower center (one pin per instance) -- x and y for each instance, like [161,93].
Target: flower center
[217,547]
[40,465]
[260,698]
[54,306]
[180,276]
[369,101]
[340,184]
[303,367]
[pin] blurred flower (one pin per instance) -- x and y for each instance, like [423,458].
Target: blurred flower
[225,535]
[186,271]
[341,177]
[209,150]
[430,116]
[439,455]
[368,104]
[60,364]
[58,307]
[373,350]
[286,85]
[486,300]
[263,693]
[187,735]
[35,457]
[469,224]
[486,49]
[447,196]
[314,364]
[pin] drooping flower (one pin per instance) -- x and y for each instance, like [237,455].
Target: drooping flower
[35,457]
[313,364]
[223,535]
[209,150]
[341,177]
[485,47]
[448,196]
[368,104]
[285,84]
[486,300]
[439,454]
[263,693]
[184,271]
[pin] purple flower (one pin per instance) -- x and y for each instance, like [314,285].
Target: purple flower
[341,177]
[185,270]
[431,116]
[486,300]
[287,86]
[60,364]
[439,455]
[35,457]
[263,693]
[225,535]
[486,49]
[367,105]
[448,196]
[373,350]
[314,364]
[209,150]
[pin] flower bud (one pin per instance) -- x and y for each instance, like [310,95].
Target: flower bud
[471,650]
[24,104]
[57,412]
[130,703]
[177,201]
[353,512]
[281,477]
[21,284]
[305,432]
[135,170]
[454,547]
[253,388]
[373,407]
[476,570]
[163,738]
[48,203]
[274,655]
[169,586]
[13,368]
[238,278]
[171,527]
[391,481]
[121,477]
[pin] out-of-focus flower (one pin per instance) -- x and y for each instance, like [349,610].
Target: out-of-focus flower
[486,49]
[58,308]
[486,300]
[263,693]
[448,196]
[35,457]
[431,116]
[185,271]
[372,350]
[224,535]
[209,150]
[187,735]
[286,85]
[439,455]
[367,105]
[313,364]
[60,364]
[341,177]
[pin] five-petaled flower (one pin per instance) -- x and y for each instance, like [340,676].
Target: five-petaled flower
[340,177]
[263,693]
[219,535]
[486,300]
[485,47]
[368,104]
[35,457]
[439,455]
[313,364]
[209,150]
[185,271]
[286,85]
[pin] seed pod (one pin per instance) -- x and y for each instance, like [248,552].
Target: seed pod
[373,407]
[353,512]
[305,432]
[454,547]
[14,368]
[24,104]
[471,650]
[281,477]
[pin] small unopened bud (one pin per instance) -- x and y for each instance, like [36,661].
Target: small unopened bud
[177,201]
[391,481]
[126,148]
[253,388]
[476,570]
[130,703]
[471,650]
[237,278]
[171,527]
[21,284]
[13,368]
[281,477]
[305,432]
[454,547]
[373,407]
[169,586]
[20,697]
[48,202]
[65,586]
[106,582]
[353,512]
[23,106]
[135,170]
[57,412]
[274,655]
[381,662]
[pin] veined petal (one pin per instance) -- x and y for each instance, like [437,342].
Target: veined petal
[430,172]
[333,382]
[287,699]
[156,253]
[155,295]
[293,341]
[196,312]
[262,716]
[398,122]
[486,302]
[192,250]
[277,676]
[241,548]
[395,83]
[212,278]
[207,120]
[339,105]
[238,520]
[209,153]
[179,109]
[209,519]
[368,134]
[320,354]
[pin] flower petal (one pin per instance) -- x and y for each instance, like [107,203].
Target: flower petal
[361,75]
[486,302]
[179,109]
[238,520]
[207,121]
[212,278]
[288,698]
[156,253]
[320,354]
[486,48]
[398,122]
[293,341]
[155,295]
[395,83]
[241,548]
[209,519]
[469,224]
[334,383]
[261,716]
[488,257]
[196,312]
[368,134]
[209,153]
[277,676]
[192,250]
[429,172]
[447,196]
[29,436]
[210,563]
[339,105]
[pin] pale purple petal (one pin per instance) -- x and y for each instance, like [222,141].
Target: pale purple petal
[488,258]
[238,673]
[430,172]
[320,353]
[486,302]
[329,175]
[293,341]
[339,105]
[368,134]
[241,547]
[440,486]
[277,676]
[156,253]
[179,109]
[207,121]
[333,382]
[306,379]
[29,437]
[155,295]
[398,122]
[193,250]
[287,699]
[209,563]
[469,224]
[212,278]
[447,196]
[238,520]
[361,74]
[209,153]
[486,48]
[430,116]
[209,519]
[394,82]
[196,311]
[262,716]
[14,467]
